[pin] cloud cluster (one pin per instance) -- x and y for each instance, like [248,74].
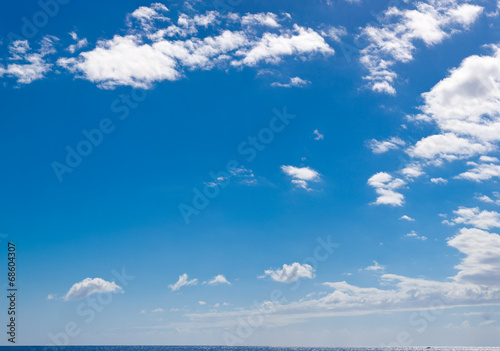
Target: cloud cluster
[394,39]
[27,64]
[157,48]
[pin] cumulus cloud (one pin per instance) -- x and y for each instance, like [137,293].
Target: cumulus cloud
[89,287]
[290,273]
[201,303]
[477,283]
[394,39]
[219,279]
[385,186]
[380,147]
[183,281]
[407,218]
[157,48]
[477,218]
[481,172]
[301,175]
[80,43]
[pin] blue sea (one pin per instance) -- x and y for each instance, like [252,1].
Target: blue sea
[239,348]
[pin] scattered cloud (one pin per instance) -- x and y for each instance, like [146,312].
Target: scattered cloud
[28,65]
[393,40]
[157,310]
[318,135]
[183,281]
[90,286]
[202,303]
[157,48]
[414,235]
[290,273]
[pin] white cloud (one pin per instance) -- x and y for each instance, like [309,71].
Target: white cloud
[202,303]
[51,297]
[379,147]
[477,218]
[264,19]
[219,279]
[334,33]
[481,172]
[318,135]
[439,180]
[80,43]
[290,273]
[90,286]
[295,82]
[385,185]
[482,263]
[412,171]
[375,267]
[477,283]
[183,281]
[488,159]
[272,47]
[301,175]
[447,146]
[406,218]
[144,55]
[414,235]
[29,65]
[156,310]
[487,199]
[394,39]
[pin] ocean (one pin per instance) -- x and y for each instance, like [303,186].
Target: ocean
[240,348]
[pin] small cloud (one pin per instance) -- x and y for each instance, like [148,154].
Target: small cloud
[183,281]
[156,310]
[375,267]
[89,287]
[290,273]
[406,218]
[217,305]
[201,303]
[385,186]
[295,82]
[143,312]
[51,297]
[439,180]
[414,235]
[380,147]
[301,175]
[318,135]
[220,279]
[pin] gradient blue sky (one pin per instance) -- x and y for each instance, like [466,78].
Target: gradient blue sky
[391,155]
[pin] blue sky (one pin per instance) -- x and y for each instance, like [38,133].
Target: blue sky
[320,173]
